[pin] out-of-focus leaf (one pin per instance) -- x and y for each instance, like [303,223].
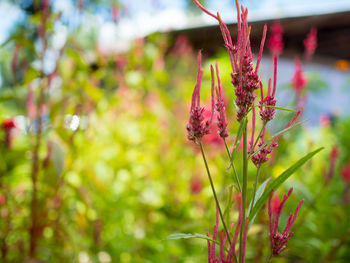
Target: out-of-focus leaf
[279,180]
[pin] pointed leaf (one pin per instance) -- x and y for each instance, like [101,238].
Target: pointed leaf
[279,180]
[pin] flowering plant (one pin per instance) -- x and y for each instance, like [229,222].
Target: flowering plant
[246,82]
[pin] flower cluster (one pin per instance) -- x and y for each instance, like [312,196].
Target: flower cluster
[8,125]
[310,44]
[278,241]
[219,104]
[275,41]
[333,158]
[262,156]
[268,113]
[196,126]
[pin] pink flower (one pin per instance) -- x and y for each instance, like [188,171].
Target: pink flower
[262,156]
[244,77]
[310,44]
[196,128]
[278,241]
[275,41]
[8,125]
[345,173]
[219,105]
[333,158]
[231,254]
[266,113]
[299,81]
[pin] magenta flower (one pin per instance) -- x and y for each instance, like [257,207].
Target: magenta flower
[333,159]
[310,44]
[262,156]
[299,81]
[266,113]
[278,241]
[219,105]
[275,41]
[244,78]
[8,125]
[232,253]
[196,126]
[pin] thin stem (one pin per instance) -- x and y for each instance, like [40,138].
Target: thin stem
[257,139]
[269,258]
[214,192]
[255,185]
[244,190]
[233,166]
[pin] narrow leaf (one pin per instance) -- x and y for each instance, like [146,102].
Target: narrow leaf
[279,180]
[275,135]
[275,107]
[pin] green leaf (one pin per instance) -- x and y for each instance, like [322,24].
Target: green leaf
[279,180]
[259,193]
[275,135]
[274,107]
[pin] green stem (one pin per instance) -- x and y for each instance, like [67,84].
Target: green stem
[269,258]
[214,192]
[255,185]
[244,190]
[233,166]
[257,139]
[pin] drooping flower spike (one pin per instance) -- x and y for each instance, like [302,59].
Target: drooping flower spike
[196,126]
[278,241]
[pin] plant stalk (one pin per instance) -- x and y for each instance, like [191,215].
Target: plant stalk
[244,190]
[254,192]
[214,192]
[233,166]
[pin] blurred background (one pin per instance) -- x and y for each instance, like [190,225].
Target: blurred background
[95,165]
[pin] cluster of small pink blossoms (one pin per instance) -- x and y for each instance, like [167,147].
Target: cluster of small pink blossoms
[219,105]
[278,241]
[310,44]
[196,126]
[275,41]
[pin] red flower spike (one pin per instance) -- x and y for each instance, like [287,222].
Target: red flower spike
[219,104]
[278,241]
[333,159]
[196,128]
[8,125]
[299,81]
[275,41]
[266,113]
[261,157]
[345,173]
[310,44]
[244,78]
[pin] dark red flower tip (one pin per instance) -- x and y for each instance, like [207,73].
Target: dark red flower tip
[8,124]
